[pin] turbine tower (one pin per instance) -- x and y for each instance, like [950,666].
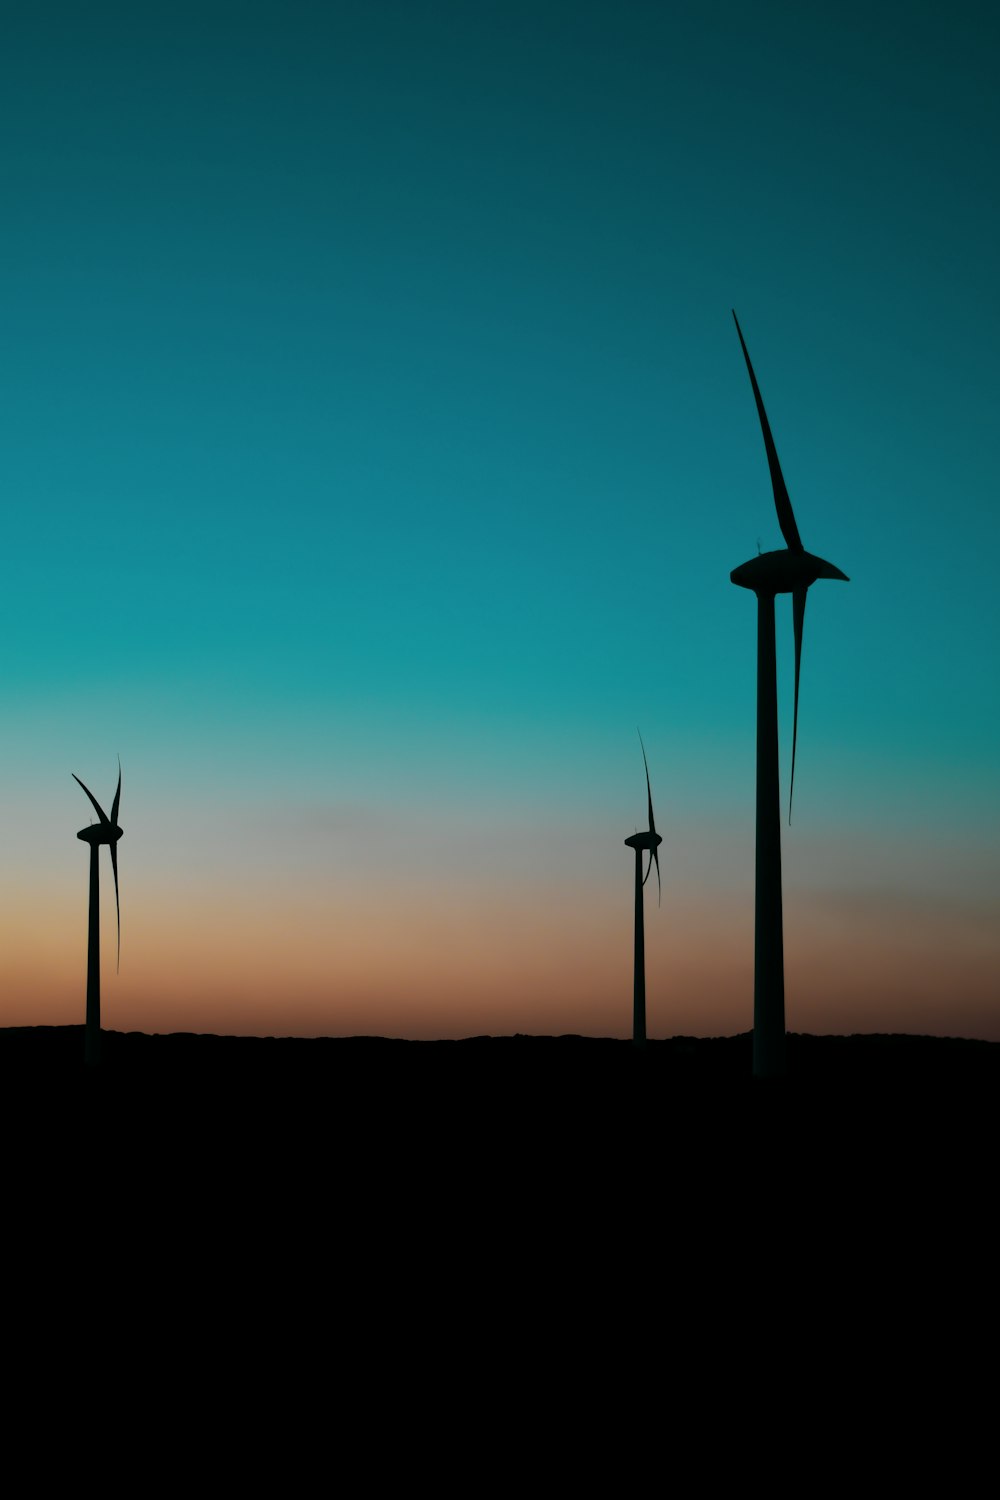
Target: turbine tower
[639,842]
[790,571]
[106,831]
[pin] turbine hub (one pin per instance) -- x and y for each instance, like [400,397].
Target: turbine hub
[783,572]
[97,833]
[644,841]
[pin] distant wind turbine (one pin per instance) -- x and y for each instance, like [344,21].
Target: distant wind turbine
[650,840]
[791,571]
[106,831]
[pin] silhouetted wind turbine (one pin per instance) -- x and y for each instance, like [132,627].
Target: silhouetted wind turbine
[791,571]
[106,831]
[650,840]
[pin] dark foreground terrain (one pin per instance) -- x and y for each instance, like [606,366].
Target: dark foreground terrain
[500,1086]
[866,1064]
[530,1162]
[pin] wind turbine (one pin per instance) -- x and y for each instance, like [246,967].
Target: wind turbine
[790,571]
[650,840]
[106,831]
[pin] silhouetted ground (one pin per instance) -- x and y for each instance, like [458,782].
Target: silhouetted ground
[511,1173]
[499,1087]
[869,1063]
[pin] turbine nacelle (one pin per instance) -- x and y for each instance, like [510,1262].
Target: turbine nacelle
[97,833]
[784,572]
[105,831]
[650,840]
[644,841]
[790,571]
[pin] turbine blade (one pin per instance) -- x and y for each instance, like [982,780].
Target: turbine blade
[649,794]
[118,797]
[648,867]
[100,810]
[118,910]
[782,504]
[798,620]
[659,887]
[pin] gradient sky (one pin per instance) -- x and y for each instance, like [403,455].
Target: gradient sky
[375,447]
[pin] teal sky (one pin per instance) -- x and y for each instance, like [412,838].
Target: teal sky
[375,447]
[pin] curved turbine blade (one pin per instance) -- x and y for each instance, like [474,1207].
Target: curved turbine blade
[648,867]
[798,620]
[649,794]
[118,910]
[100,810]
[118,798]
[659,886]
[782,504]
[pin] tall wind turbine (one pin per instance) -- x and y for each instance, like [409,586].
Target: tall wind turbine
[105,831]
[790,571]
[639,842]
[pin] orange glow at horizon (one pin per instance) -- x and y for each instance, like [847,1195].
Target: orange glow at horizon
[443,964]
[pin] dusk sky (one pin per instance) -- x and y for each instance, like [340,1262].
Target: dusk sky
[375,449]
